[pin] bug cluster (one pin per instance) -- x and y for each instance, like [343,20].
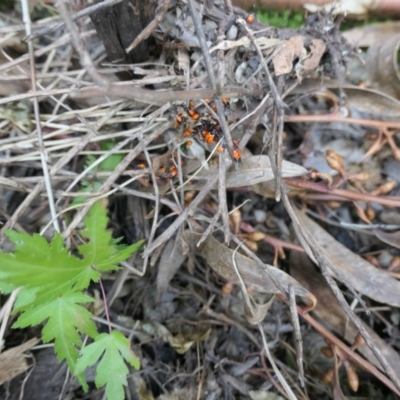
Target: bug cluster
[202,126]
[170,170]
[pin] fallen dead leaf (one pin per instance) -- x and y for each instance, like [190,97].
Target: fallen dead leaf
[350,267]
[263,42]
[264,395]
[219,257]
[253,170]
[391,238]
[13,361]
[331,313]
[289,50]
[317,48]
[382,65]
[172,257]
[369,34]
[184,341]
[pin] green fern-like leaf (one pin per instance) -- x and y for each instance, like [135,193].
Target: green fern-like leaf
[46,268]
[51,280]
[101,251]
[66,319]
[114,350]
[49,270]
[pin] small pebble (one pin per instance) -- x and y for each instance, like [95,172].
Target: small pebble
[232,33]
[260,216]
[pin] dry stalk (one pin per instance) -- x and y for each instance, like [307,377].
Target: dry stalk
[248,301]
[113,177]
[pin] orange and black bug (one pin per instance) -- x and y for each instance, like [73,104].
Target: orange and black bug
[220,149]
[167,172]
[250,18]
[237,153]
[225,102]
[207,136]
[187,132]
[178,120]
[193,114]
[216,131]
[141,166]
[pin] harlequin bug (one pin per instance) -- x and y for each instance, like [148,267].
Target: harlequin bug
[187,132]
[193,114]
[168,172]
[250,18]
[178,120]
[237,153]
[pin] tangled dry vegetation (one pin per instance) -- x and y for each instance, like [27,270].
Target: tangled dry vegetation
[263,175]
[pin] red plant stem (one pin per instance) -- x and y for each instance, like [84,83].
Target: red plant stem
[346,194]
[365,365]
[103,293]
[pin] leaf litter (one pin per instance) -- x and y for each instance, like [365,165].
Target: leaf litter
[197,312]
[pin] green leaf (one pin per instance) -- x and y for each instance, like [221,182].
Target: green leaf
[124,252]
[111,371]
[101,251]
[46,267]
[111,162]
[87,187]
[66,320]
[98,248]
[50,278]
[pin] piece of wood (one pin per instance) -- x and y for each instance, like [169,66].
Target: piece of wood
[120,24]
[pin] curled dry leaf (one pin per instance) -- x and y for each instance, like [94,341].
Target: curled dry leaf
[312,61]
[372,103]
[369,103]
[253,170]
[382,65]
[219,257]
[264,395]
[369,34]
[351,268]
[254,312]
[263,42]
[289,50]
[332,314]
[390,238]
[172,257]
[184,341]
